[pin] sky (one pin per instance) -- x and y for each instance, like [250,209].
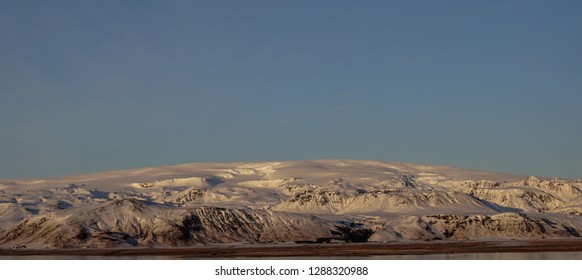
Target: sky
[89,86]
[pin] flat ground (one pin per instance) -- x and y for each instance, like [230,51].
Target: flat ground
[316,250]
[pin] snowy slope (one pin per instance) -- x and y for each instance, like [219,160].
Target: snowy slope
[295,201]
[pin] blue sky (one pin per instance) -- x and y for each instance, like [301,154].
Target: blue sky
[100,85]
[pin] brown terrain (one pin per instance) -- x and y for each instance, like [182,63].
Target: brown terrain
[316,250]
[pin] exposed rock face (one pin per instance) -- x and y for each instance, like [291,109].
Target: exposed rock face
[313,201]
[517,200]
[132,222]
[506,225]
[396,201]
[555,186]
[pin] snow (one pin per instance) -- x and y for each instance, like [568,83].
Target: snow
[256,202]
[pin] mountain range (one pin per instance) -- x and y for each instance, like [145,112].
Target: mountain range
[315,201]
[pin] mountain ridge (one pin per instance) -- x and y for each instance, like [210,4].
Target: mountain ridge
[285,201]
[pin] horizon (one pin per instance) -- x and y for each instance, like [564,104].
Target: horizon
[285,161]
[94,87]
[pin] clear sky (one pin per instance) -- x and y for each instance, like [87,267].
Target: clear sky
[90,86]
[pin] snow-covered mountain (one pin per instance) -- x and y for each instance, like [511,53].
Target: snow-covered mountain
[275,202]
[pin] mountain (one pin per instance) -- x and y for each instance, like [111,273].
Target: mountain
[276,202]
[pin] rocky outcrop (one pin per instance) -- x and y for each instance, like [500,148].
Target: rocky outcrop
[312,201]
[394,201]
[557,187]
[517,199]
[132,222]
[506,225]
